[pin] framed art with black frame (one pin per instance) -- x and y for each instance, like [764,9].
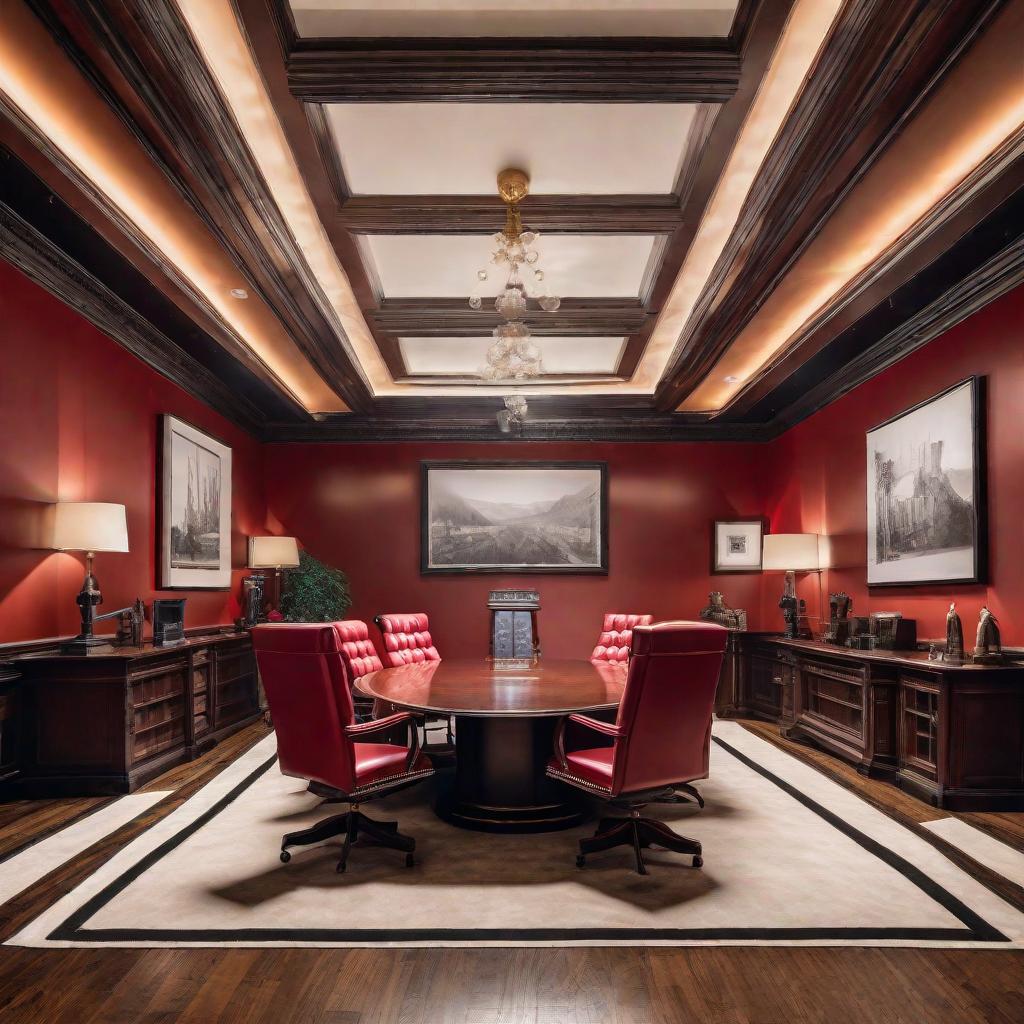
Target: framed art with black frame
[736,545]
[926,502]
[519,517]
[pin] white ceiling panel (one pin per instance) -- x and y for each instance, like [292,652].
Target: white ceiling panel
[519,18]
[459,148]
[445,266]
[464,356]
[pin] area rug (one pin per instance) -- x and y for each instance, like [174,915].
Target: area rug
[790,858]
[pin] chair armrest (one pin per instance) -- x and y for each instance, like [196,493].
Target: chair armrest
[606,728]
[380,724]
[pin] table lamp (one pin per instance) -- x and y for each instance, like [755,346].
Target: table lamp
[88,526]
[791,553]
[274,553]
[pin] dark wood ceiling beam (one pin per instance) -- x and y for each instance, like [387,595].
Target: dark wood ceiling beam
[605,70]
[451,215]
[452,317]
[881,61]
[141,58]
[892,311]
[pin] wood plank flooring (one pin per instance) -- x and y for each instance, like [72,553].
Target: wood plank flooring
[596,985]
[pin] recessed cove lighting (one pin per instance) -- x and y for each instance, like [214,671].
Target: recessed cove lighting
[239,293]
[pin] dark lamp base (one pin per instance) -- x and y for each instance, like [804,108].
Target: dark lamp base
[84,644]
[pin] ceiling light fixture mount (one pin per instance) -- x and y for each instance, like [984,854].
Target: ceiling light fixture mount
[513,356]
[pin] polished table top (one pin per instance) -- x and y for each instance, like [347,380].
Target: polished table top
[488,687]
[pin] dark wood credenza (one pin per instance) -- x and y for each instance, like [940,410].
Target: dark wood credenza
[950,734]
[110,720]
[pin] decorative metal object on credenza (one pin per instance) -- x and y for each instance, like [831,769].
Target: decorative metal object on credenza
[514,631]
[839,606]
[792,553]
[892,632]
[130,624]
[718,611]
[988,647]
[275,554]
[168,621]
[954,636]
[89,526]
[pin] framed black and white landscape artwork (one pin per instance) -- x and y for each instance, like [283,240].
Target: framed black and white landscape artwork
[925,492]
[514,517]
[736,545]
[195,509]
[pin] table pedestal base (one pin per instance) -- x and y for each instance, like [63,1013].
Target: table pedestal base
[500,785]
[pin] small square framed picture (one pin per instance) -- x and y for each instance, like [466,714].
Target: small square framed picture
[736,545]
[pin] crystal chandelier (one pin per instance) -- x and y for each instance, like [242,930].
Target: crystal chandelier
[512,356]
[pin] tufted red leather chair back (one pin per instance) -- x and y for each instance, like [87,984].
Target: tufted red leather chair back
[310,698]
[616,635]
[666,707]
[357,650]
[406,639]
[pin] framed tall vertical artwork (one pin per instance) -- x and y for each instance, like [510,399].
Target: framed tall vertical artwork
[195,509]
[926,510]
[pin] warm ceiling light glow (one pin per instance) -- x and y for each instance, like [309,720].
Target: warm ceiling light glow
[239,293]
[976,110]
[227,54]
[219,39]
[43,84]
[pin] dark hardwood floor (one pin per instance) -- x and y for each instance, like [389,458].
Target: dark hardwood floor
[597,985]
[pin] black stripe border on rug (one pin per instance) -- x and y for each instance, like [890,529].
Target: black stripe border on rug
[976,928]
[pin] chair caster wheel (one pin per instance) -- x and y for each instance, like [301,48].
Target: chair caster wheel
[409,860]
[341,867]
[285,856]
[698,862]
[580,860]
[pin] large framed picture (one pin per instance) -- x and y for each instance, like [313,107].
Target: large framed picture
[514,517]
[926,492]
[736,545]
[195,509]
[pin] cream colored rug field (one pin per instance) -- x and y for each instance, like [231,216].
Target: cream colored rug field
[789,858]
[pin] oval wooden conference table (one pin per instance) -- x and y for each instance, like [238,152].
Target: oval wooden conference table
[505,717]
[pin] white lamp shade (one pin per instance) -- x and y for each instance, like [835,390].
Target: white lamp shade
[89,526]
[791,551]
[273,553]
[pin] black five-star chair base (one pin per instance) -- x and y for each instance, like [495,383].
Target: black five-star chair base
[640,833]
[351,825]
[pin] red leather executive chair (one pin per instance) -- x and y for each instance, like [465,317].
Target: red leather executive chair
[310,697]
[616,634]
[660,736]
[407,640]
[360,658]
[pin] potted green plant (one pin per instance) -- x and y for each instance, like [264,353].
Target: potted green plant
[314,592]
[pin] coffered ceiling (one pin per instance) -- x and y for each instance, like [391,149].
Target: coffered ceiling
[746,208]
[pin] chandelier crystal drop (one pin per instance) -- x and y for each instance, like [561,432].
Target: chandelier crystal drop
[512,356]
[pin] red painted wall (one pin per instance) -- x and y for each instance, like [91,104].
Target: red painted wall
[819,472]
[357,507]
[78,421]
[78,417]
